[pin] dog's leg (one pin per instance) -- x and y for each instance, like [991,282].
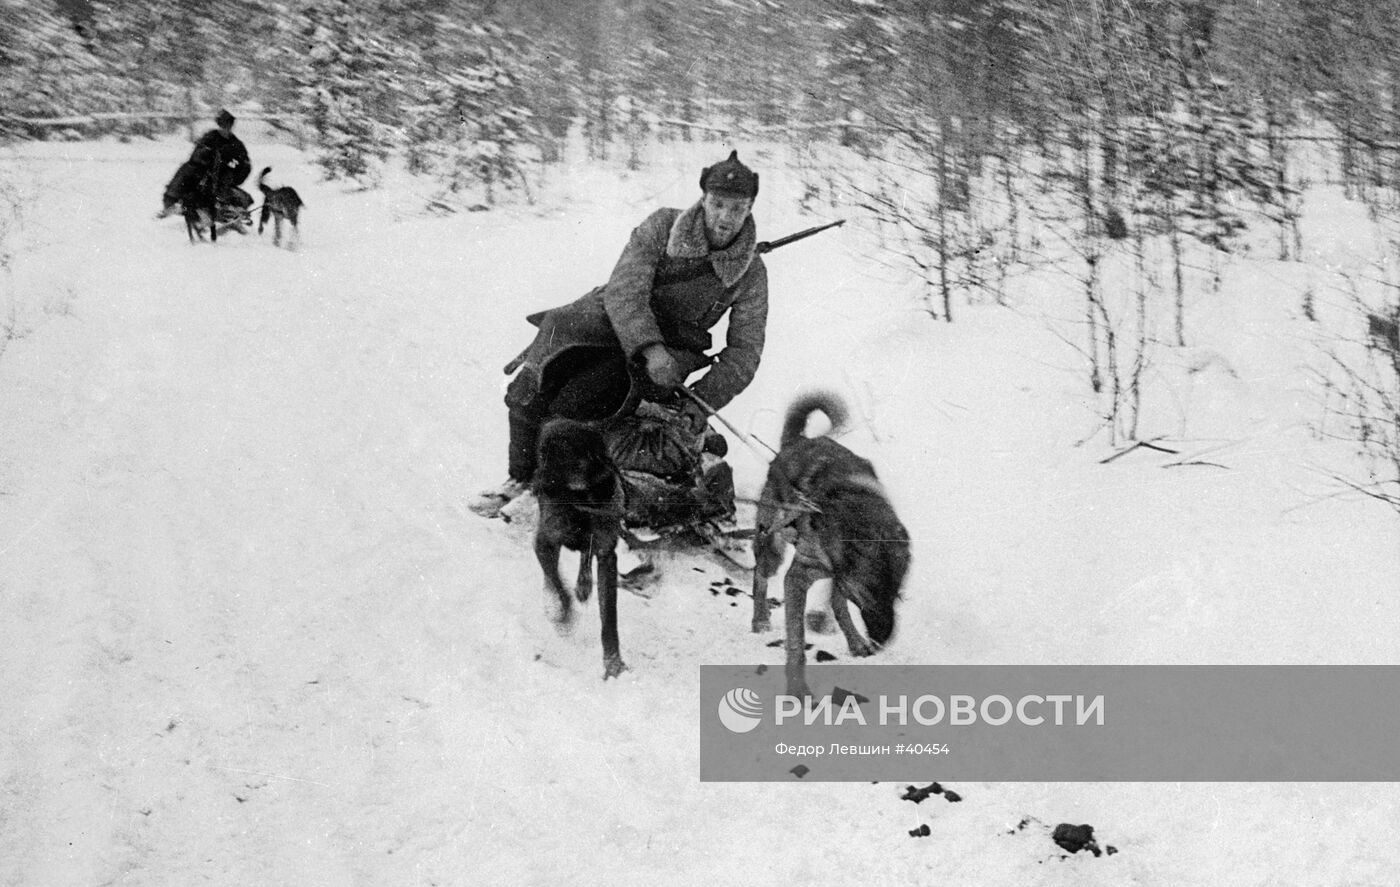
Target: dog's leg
[262,218]
[841,609]
[795,586]
[583,589]
[547,552]
[763,569]
[277,229]
[607,609]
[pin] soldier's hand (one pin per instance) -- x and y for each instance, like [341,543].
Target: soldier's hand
[663,369]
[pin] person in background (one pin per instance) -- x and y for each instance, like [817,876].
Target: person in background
[222,144]
[217,146]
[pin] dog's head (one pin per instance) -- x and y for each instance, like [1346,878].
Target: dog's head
[873,581]
[572,457]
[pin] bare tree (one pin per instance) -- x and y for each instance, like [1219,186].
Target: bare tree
[1361,383]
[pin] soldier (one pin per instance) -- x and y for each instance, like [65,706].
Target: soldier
[647,330]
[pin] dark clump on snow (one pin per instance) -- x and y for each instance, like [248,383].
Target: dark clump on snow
[1075,838]
[922,831]
[779,643]
[725,585]
[1067,836]
[727,588]
[839,695]
[823,656]
[919,795]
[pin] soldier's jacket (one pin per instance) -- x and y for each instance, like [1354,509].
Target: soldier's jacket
[668,286]
[230,151]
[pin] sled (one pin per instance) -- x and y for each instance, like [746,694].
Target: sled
[233,211]
[679,489]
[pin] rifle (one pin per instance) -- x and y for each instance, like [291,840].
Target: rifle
[711,411]
[767,246]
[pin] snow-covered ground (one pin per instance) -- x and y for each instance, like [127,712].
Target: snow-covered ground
[251,635]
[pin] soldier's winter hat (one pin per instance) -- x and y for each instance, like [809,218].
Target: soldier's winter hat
[224,118]
[730,176]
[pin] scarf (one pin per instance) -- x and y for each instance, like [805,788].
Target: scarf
[687,241]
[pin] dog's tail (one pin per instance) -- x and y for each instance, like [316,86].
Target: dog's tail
[825,402]
[261,176]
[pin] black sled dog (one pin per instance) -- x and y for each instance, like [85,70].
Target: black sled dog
[582,503]
[279,204]
[826,501]
[195,191]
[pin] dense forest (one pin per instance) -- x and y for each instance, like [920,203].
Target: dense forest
[1134,103]
[1166,113]
[1165,99]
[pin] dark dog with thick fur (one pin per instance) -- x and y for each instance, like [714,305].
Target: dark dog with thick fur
[279,204]
[581,506]
[826,501]
[194,191]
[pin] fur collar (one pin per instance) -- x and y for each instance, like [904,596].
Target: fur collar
[687,241]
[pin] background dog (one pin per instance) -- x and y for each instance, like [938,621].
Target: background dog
[279,203]
[200,206]
[193,190]
[581,507]
[185,178]
[826,501]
